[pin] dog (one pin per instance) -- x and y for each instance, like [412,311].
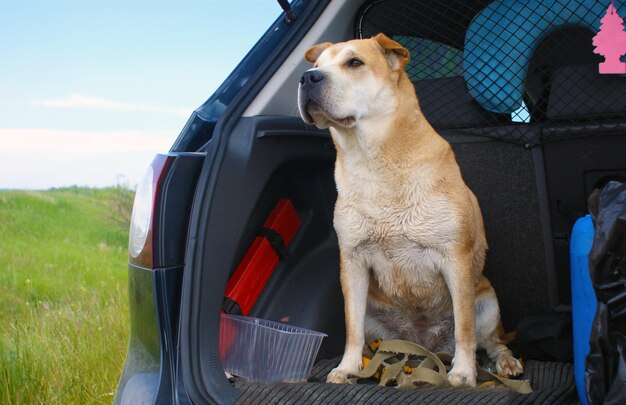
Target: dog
[411,237]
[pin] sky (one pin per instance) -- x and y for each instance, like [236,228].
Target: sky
[91,90]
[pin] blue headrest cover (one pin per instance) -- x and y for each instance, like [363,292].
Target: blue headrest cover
[501,39]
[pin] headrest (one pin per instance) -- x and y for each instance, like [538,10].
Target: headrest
[447,104]
[579,91]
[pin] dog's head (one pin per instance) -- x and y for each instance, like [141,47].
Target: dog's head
[351,81]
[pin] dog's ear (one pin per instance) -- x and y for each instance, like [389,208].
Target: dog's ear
[397,55]
[315,51]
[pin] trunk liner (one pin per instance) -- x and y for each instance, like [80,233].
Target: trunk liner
[552,382]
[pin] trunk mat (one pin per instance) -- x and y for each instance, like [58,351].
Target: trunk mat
[552,382]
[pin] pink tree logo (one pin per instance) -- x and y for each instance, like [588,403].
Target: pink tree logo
[610,42]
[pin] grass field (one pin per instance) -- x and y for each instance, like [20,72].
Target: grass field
[63,294]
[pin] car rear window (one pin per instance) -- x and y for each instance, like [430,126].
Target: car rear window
[431,59]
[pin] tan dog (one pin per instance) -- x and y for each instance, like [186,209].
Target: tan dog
[411,237]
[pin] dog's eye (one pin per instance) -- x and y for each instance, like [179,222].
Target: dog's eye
[354,62]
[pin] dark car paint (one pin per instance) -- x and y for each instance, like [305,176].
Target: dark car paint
[154,294]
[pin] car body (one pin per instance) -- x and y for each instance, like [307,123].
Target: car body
[534,127]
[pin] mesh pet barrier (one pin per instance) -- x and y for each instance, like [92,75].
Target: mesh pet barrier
[523,71]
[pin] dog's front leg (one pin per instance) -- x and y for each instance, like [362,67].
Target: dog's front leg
[354,277]
[460,281]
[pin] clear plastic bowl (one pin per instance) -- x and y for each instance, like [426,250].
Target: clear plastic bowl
[266,351]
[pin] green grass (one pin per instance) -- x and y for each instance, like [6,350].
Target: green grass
[63,294]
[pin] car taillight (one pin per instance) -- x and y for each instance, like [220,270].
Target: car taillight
[140,240]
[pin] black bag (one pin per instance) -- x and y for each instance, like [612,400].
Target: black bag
[605,375]
[545,337]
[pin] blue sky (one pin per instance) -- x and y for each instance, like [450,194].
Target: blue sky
[90,90]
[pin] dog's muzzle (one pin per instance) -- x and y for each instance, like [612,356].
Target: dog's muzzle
[309,88]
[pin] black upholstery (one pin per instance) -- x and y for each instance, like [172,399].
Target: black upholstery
[579,91]
[447,103]
[502,177]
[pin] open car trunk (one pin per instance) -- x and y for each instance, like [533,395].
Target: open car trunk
[531,170]
[274,158]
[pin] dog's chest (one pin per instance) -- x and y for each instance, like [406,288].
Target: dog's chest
[403,246]
[400,229]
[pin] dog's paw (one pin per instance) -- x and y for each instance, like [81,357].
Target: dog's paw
[338,376]
[508,366]
[462,376]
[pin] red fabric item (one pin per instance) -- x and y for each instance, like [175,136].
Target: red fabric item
[259,262]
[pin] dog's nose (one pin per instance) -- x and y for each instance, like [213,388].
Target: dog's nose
[311,77]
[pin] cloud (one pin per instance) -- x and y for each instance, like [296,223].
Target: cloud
[78,101]
[28,140]
[40,158]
